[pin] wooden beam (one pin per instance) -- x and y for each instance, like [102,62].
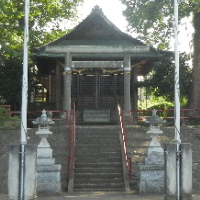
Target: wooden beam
[97,64]
[94,49]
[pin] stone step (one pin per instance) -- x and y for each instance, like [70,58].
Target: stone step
[97,136]
[97,141]
[108,149]
[106,189]
[100,187]
[99,159]
[98,170]
[96,145]
[97,155]
[98,165]
[101,176]
[95,180]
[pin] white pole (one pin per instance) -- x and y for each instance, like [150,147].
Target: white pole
[25,77]
[177,100]
[176,82]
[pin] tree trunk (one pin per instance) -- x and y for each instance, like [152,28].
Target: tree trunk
[195,90]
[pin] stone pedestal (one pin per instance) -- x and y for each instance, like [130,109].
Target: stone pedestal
[151,178]
[48,173]
[181,159]
[48,179]
[14,165]
[152,172]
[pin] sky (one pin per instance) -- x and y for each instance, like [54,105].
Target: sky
[113,11]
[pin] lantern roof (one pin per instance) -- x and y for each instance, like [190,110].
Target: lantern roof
[43,119]
[154,119]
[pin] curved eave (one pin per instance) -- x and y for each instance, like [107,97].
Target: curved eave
[97,56]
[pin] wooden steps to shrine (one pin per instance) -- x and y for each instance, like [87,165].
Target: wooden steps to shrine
[98,165]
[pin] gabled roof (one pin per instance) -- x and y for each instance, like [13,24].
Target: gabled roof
[96,29]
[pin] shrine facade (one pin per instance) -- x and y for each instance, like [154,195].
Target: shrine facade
[96,65]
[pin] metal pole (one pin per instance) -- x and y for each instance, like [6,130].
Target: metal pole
[21,171]
[177,100]
[23,139]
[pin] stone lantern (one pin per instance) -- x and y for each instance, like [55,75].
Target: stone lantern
[48,173]
[152,171]
[154,151]
[44,151]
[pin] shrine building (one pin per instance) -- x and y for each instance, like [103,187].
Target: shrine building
[95,65]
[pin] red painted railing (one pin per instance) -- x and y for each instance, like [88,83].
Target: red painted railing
[49,112]
[124,133]
[142,114]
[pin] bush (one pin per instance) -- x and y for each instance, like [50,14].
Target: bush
[163,106]
[8,122]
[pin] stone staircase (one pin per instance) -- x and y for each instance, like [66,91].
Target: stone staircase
[98,165]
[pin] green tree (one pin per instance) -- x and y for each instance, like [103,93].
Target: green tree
[160,80]
[45,24]
[153,21]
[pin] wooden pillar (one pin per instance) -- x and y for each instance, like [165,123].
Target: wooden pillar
[127,95]
[96,90]
[57,86]
[67,82]
[50,89]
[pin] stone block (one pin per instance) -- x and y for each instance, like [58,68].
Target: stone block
[151,179]
[45,161]
[170,170]
[44,152]
[48,179]
[96,115]
[29,172]
[185,171]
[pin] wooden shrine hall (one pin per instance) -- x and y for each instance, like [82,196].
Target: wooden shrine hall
[95,65]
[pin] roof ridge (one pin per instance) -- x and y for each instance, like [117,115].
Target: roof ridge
[98,9]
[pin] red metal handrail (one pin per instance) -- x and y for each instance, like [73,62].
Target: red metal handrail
[182,113]
[124,133]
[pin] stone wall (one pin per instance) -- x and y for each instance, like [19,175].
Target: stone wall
[58,142]
[138,141]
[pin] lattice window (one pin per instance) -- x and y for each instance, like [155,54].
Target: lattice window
[119,85]
[97,29]
[74,86]
[86,85]
[106,85]
[102,85]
